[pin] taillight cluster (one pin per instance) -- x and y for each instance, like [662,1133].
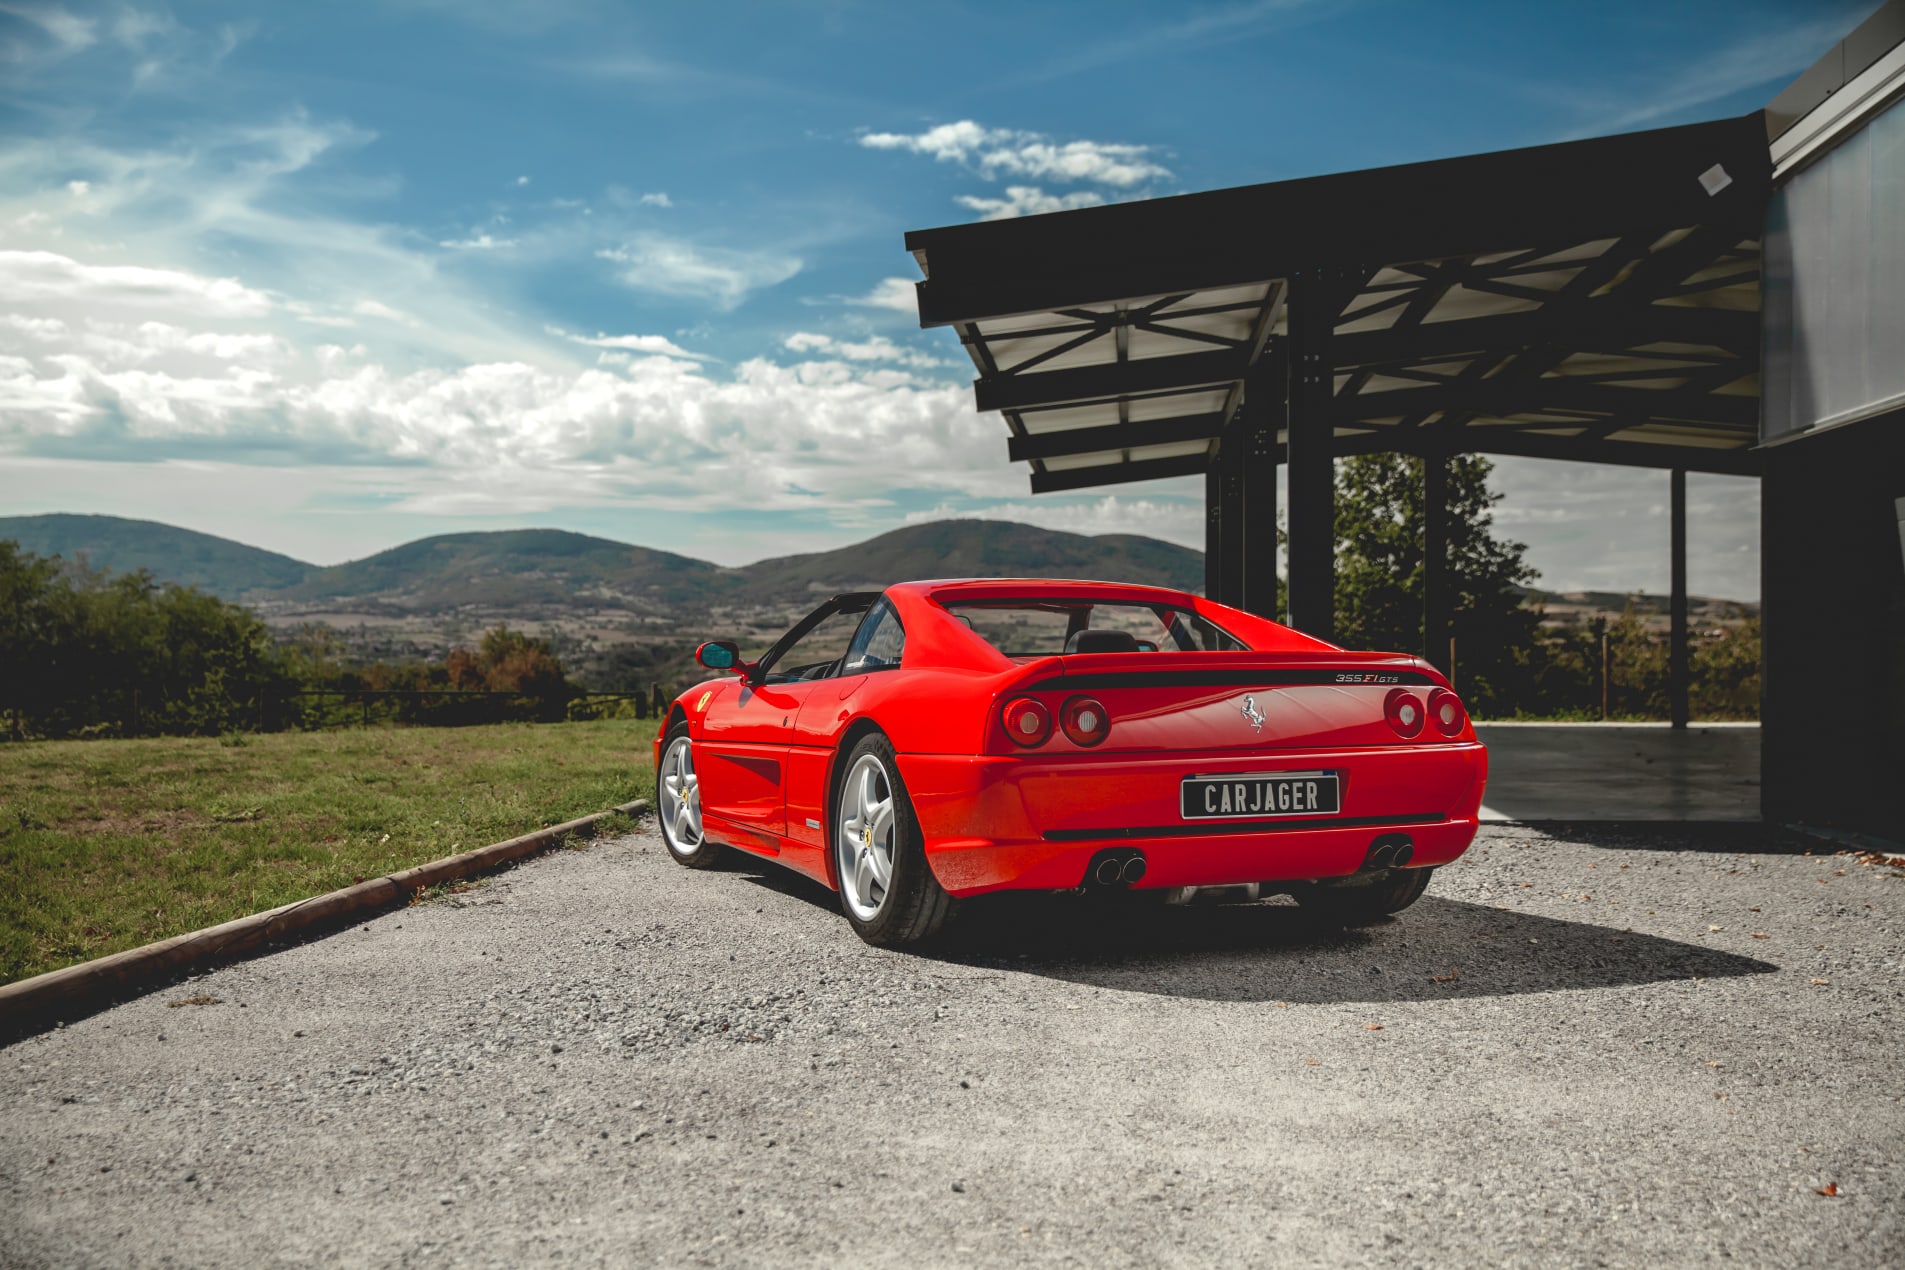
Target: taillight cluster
[1407,714]
[1083,719]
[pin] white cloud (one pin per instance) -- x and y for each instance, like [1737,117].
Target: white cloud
[44,275]
[997,152]
[650,345]
[716,276]
[254,197]
[479,242]
[878,348]
[522,180]
[897,294]
[1760,58]
[1026,200]
[376,309]
[658,199]
[656,427]
[70,32]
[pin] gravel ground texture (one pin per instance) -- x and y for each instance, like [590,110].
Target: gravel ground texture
[1581,1047]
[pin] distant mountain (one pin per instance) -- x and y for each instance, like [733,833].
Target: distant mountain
[542,569]
[974,549]
[535,571]
[517,567]
[218,565]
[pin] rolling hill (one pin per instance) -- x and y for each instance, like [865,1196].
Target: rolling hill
[516,568]
[538,570]
[221,566]
[974,549]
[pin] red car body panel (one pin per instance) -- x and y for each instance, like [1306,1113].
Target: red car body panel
[997,816]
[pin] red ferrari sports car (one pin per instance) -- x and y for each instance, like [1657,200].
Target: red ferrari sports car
[939,740]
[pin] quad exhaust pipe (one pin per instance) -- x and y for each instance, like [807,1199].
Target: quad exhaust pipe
[1120,866]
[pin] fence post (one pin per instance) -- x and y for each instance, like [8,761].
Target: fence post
[363,699]
[656,698]
[1451,661]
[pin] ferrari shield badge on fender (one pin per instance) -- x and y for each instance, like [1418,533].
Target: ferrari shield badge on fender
[1252,715]
[703,703]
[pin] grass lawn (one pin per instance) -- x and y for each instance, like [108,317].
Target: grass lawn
[106,845]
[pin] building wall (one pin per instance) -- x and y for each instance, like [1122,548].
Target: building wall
[1833,550]
[1834,289]
[1833,711]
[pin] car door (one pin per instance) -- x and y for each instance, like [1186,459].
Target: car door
[741,756]
[876,647]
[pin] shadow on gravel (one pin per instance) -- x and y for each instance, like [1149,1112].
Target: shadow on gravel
[1273,951]
[1720,836]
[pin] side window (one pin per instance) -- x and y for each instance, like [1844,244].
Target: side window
[878,643]
[818,652]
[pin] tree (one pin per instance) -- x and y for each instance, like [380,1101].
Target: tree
[1380,574]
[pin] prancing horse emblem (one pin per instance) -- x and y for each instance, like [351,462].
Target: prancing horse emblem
[1252,715]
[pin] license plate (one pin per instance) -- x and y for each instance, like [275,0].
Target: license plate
[1253,795]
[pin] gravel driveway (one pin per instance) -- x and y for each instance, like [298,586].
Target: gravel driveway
[1584,1049]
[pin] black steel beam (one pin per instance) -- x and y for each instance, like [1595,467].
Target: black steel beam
[1111,380]
[1497,440]
[1597,327]
[1116,473]
[1490,397]
[1576,191]
[1115,436]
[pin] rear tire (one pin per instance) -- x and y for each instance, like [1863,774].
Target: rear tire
[1363,903]
[887,890]
[678,804]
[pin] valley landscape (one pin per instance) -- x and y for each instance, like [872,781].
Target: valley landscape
[623,616]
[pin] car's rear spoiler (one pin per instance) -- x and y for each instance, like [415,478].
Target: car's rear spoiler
[1246,669]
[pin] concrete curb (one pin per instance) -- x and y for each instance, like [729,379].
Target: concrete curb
[31,1005]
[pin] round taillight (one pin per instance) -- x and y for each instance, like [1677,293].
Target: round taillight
[1404,711]
[1026,721]
[1445,711]
[1084,720]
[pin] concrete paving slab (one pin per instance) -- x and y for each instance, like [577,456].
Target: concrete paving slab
[1621,772]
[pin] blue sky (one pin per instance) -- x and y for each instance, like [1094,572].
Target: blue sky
[326,278]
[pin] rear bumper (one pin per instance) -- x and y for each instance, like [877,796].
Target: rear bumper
[1007,822]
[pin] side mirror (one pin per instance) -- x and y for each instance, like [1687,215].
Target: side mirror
[719,654]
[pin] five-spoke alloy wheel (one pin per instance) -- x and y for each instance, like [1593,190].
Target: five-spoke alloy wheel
[887,889]
[865,837]
[678,793]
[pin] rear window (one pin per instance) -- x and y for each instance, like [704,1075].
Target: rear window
[1047,628]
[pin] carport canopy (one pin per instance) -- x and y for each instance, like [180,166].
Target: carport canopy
[1593,300]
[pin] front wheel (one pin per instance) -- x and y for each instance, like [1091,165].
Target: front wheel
[1359,904]
[887,889]
[678,798]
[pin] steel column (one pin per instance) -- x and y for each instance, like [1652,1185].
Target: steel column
[1213,530]
[1312,318]
[1230,461]
[1678,707]
[1435,560]
[1263,410]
